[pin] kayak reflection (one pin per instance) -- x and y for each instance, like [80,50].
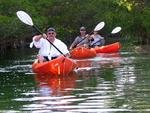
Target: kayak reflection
[101,60]
[56,85]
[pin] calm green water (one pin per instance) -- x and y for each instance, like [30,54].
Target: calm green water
[113,83]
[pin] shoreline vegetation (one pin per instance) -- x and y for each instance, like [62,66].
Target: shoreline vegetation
[67,16]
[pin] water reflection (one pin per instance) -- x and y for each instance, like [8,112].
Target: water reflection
[53,91]
[56,85]
[102,60]
[109,83]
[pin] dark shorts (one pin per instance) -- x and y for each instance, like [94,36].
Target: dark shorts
[47,59]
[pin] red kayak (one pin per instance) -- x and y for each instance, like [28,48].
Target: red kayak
[111,48]
[82,52]
[58,66]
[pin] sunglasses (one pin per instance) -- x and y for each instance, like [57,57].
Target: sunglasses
[50,33]
[82,30]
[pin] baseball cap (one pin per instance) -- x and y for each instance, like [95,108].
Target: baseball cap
[51,29]
[82,28]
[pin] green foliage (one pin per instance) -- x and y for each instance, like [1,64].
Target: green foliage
[146,18]
[68,15]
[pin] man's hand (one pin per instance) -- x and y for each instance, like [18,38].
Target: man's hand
[44,35]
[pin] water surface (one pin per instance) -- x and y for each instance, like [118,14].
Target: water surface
[109,83]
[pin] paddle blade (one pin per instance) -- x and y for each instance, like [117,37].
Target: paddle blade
[24,17]
[31,45]
[99,26]
[116,30]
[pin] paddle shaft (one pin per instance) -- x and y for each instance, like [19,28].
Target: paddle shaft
[82,39]
[47,39]
[95,43]
[104,36]
[97,28]
[114,31]
[109,35]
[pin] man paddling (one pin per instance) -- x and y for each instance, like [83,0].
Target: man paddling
[86,40]
[81,39]
[96,40]
[46,50]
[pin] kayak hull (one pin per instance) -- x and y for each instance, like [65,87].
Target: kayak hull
[111,48]
[82,53]
[58,66]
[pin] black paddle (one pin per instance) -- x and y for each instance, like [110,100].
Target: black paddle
[97,28]
[25,18]
[114,31]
